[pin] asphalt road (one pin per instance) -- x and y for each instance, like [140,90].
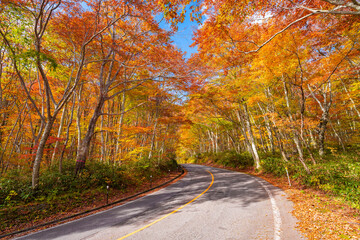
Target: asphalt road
[208,203]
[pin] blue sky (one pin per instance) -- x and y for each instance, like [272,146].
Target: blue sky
[183,38]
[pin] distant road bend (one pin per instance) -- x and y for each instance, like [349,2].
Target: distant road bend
[208,203]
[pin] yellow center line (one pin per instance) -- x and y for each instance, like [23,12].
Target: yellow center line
[176,210]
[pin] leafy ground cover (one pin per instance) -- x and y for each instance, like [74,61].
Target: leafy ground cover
[62,195]
[323,212]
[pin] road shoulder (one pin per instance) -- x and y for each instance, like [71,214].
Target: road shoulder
[319,216]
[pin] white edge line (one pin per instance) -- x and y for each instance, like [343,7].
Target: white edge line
[276,212]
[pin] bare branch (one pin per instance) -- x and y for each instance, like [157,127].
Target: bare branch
[278,33]
[336,67]
[318,101]
[336,10]
[22,81]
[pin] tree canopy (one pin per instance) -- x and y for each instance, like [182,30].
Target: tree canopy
[102,80]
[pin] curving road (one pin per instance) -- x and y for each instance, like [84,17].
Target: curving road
[208,203]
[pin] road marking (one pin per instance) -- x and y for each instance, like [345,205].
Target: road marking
[176,210]
[276,212]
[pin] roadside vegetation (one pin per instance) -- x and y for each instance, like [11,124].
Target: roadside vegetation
[61,194]
[337,174]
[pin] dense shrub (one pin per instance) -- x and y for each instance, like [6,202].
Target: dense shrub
[233,159]
[273,165]
[227,158]
[15,186]
[336,175]
[340,178]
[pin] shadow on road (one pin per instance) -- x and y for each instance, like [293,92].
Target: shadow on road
[229,186]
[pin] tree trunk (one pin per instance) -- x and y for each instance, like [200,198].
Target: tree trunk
[259,130]
[296,139]
[67,135]
[118,150]
[325,107]
[322,129]
[2,161]
[58,135]
[40,152]
[251,137]
[280,143]
[152,147]
[243,132]
[300,151]
[78,119]
[312,139]
[84,146]
[103,142]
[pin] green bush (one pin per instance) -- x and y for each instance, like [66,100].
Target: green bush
[15,186]
[338,175]
[273,165]
[233,159]
[227,158]
[340,178]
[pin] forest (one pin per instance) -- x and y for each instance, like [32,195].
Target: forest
[95,93]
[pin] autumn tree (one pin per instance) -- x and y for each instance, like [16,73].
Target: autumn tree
[288,80]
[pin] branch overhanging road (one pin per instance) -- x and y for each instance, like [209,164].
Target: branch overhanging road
[208,203]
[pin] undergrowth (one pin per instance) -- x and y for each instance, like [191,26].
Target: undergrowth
[227,158]
[59,192]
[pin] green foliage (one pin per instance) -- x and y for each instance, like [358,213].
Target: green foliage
[233,159]
[337,174]
[18,182]
[32,55]
[227,158]
[340,178]
[15,187]
[60,192]
[273,165]
[144,167]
